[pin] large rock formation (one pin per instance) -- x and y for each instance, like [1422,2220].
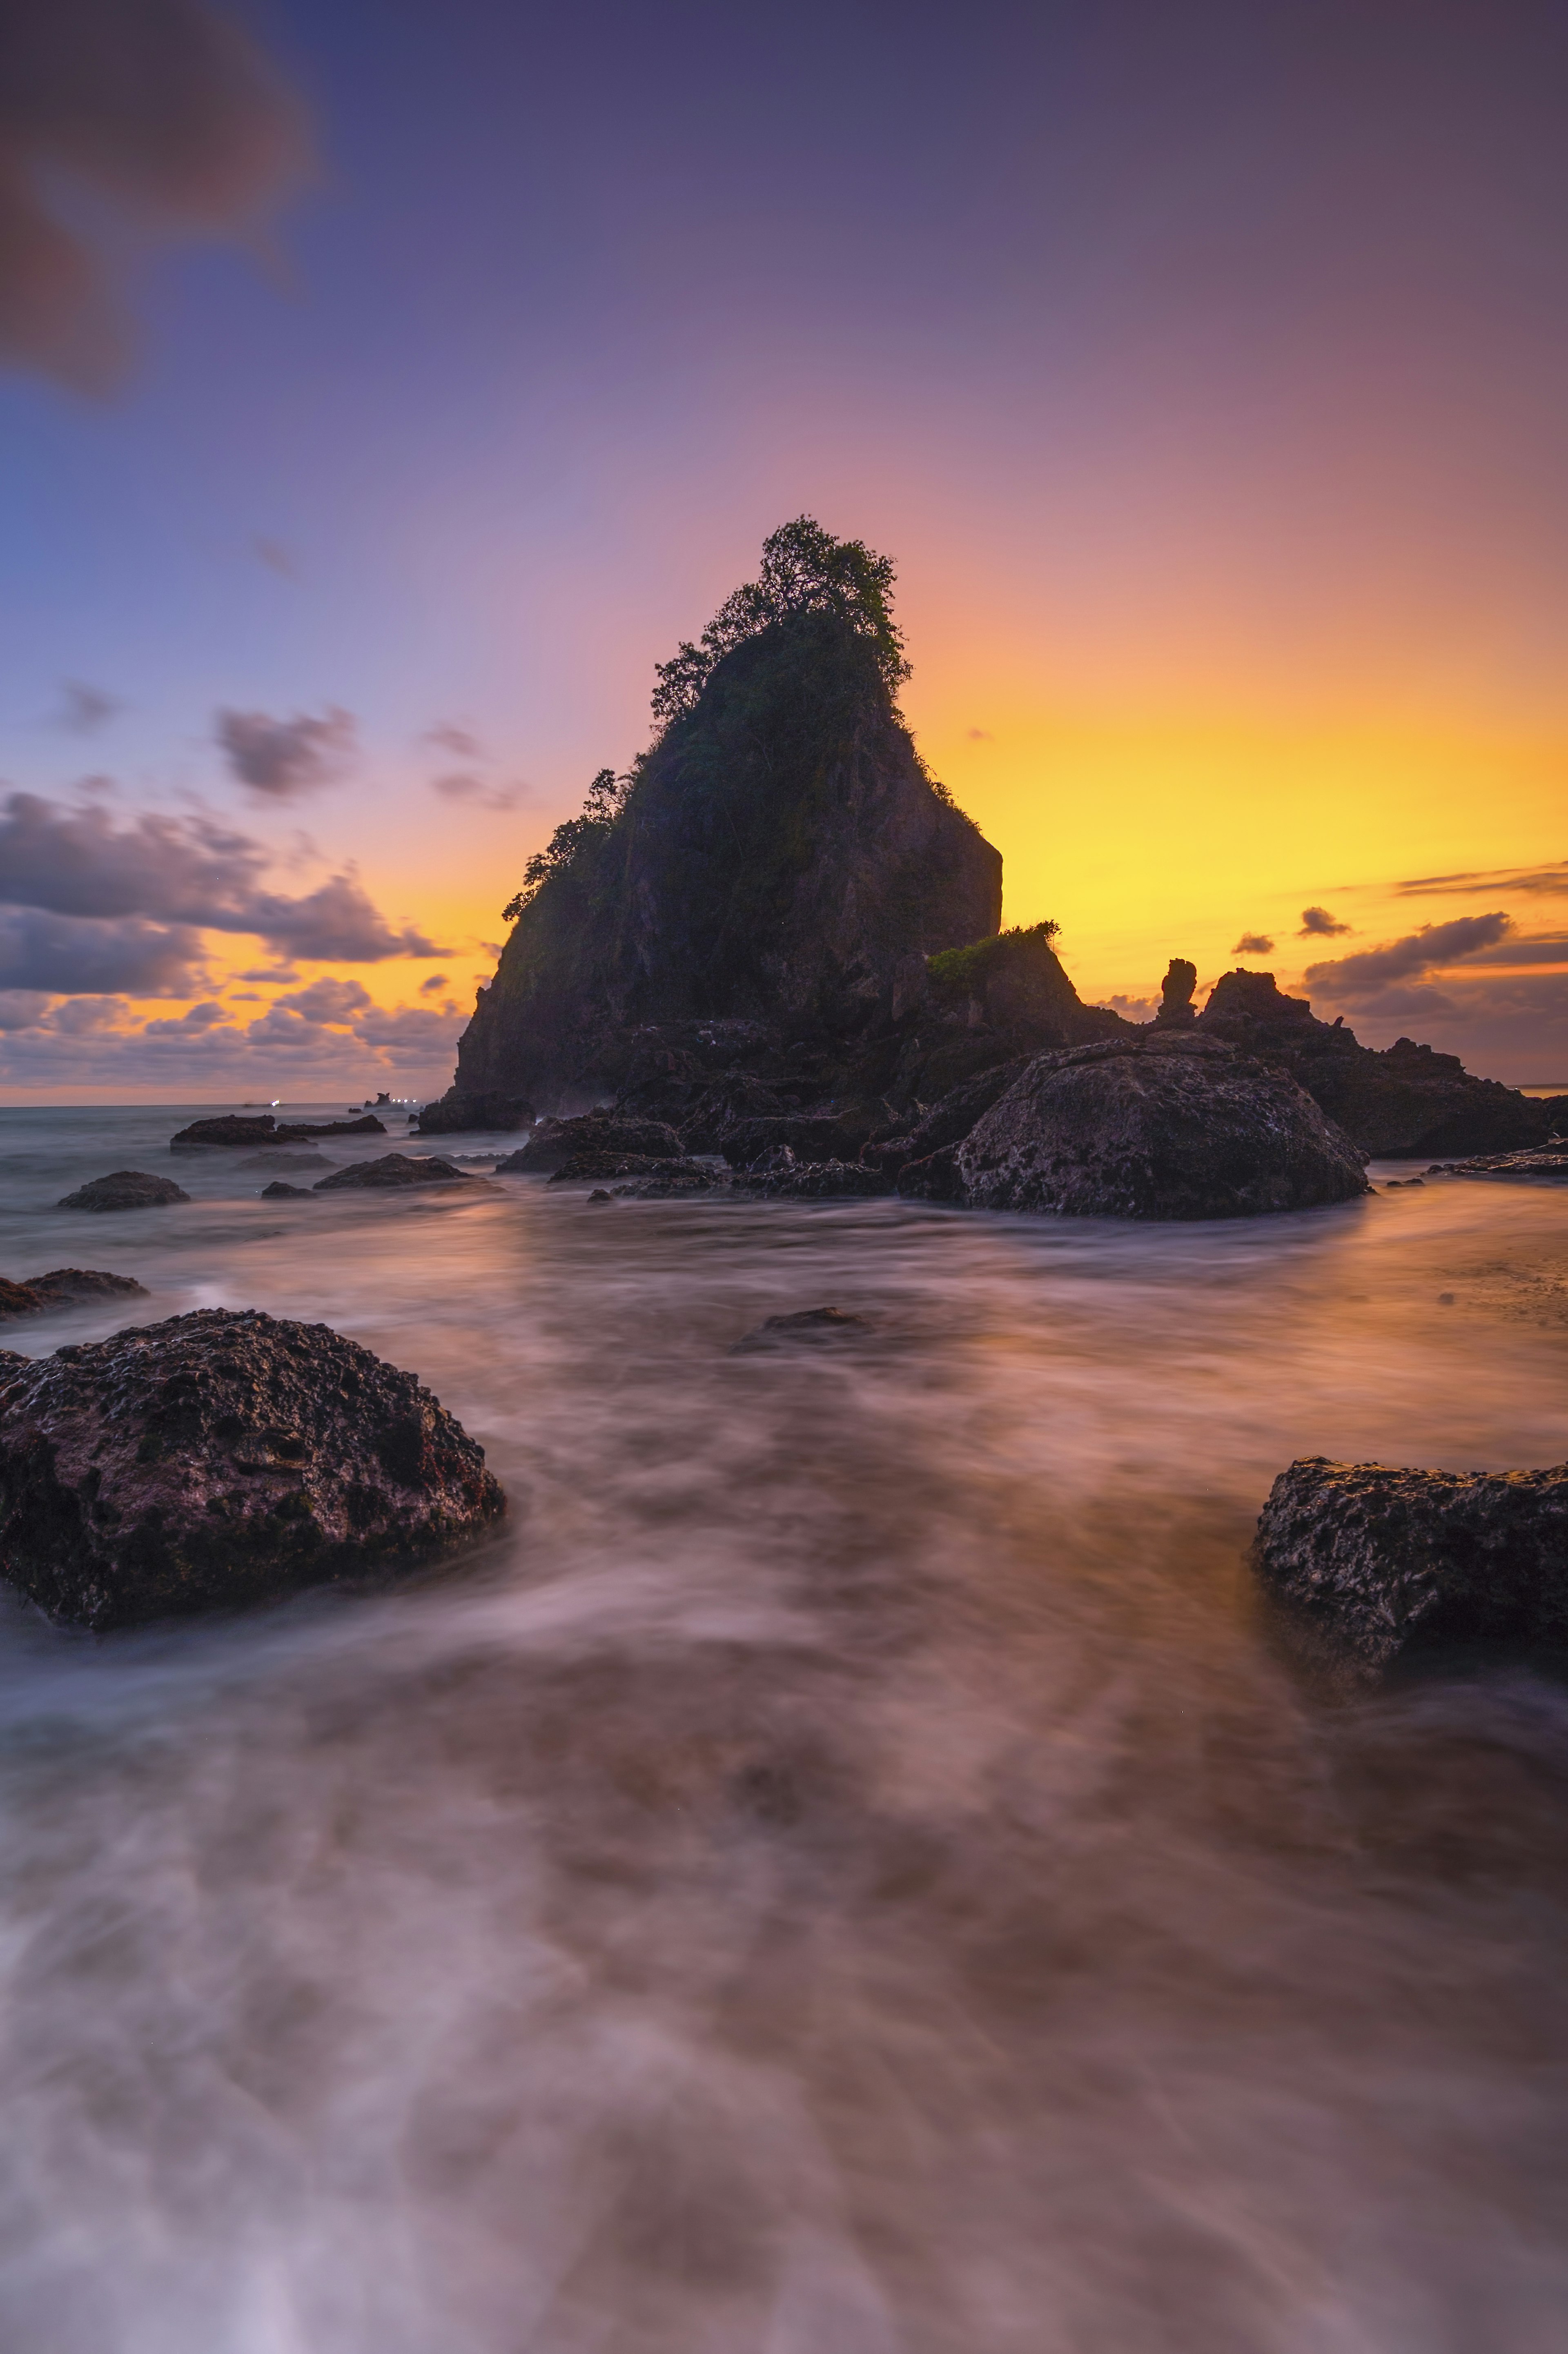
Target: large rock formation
[1377,1566]
[1162,1124]
[782,859]
[219,1457]
[1402,1102]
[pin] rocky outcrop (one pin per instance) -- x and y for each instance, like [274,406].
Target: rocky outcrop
[1157,1125]
[949,1120]
[393,1170]
[1402,1102]
[64,1287]
[592,1166]
[556,1142]
[233,1131]
[495,1112]
[1177,1011]
[220,1457]
[782,860]
[817,1180]
[123,1188]
[1548,1164]
[1378,1565]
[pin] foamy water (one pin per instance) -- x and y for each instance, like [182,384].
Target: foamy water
[849,1870]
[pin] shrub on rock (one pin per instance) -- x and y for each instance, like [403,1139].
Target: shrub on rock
[1381,1564]
[1162,1125]
[219,1457]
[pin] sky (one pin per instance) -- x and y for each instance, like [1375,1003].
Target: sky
[1202,367]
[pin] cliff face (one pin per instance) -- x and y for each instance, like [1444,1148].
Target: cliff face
[782,858]
[1402,1102]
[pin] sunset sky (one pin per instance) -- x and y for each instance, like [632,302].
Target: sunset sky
[1203,368]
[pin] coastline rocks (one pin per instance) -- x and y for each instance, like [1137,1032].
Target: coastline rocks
[1547,1161]
[1377,1566]
[278,1191]
[220,1457]
[816,1180]
[123,1188]
[491,1110]
[1163,1126]
[279,1164]
[233,1131]
[809,1136]
[810,1328]
[556,1141]
[949,1120]
[63,1287]
[596,1163]
[397,1170]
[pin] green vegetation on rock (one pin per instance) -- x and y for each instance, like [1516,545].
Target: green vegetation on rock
[963,972]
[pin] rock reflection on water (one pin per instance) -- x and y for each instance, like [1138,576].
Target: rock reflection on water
[848,1871]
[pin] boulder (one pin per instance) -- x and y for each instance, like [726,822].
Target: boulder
[1377,1565]
[397,1170]
[949,1120]
[280,1190]
[1156,1124]
[556,1141]
[64,1287]
[368,1125]
[219,1457]
[228,1133]
[123,1188]
[808,1328]
[1400,1102]
[491,1110]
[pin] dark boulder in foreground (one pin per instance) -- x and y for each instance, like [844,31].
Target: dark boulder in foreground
[495,1112]
[64,1287]
[123,1188]
[1160,1124]
[394,1170]
[808,1328]
[220,1457]
[556,1141]
[1378,1565]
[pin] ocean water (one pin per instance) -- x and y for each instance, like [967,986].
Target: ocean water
[849,1868]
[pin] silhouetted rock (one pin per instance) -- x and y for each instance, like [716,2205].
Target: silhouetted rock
[1403,1102]
[1378,1565]
[556,1142]
[1177,1011]
[811,1327]
[228,1133]
[368,1125]
[782,859]
[493,1109]
[219,1457]
[279,1190]
[1171,1127]
[123,1188]
[394,1170]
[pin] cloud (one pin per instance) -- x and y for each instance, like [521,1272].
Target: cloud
[981,735]
[23,1008]
[329,1001]
[1365,978]
[1547,881]
[434,986]
[281,758]
[172,120]
[1551,948]
[86,1017]
[192,1022]
[191,872]
[1258,943]
[1133,1009]
[446,736]
[1317,923]
[84,709]
[86,958]
[464,788]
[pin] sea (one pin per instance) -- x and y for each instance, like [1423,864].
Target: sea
[852,1865]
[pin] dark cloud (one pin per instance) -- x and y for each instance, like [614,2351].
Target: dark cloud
[184,871]
[76,957]
[281,758]
[1133,1009]
[464,788]
[329,1001]
[1366,977]
[168,114]
[1546,881]
[446,736]
[434,986]
[23,1008]
[83,709]
[1255,944]
[192,1024]
[981,735]
[1317,923]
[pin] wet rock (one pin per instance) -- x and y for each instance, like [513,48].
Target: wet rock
[232,1131]
[219,1457]
[717,1109]
[1548,1161]
[279,1190]
[589,1167]
[123,1188]
[809,1136]
[64,1287]
[936,1178]
[556,1142]
[599,1193]
[810,1328]
[1175,1126]
[812,1181]
[1377,1565]
[949,1121]
[491,1110]
[394,1170]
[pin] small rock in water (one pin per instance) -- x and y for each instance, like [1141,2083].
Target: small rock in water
[279,1192]
[123,1188]
[599,1193]
[1380,1564]
[809,1327]
[62,1286]
[219,1457]
[283,1164]
[394,1168]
